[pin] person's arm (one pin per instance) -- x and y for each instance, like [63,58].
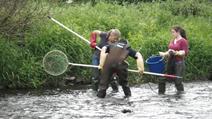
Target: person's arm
[103,56]
[180,53]
[93,37]
[140,62]
[164,54]
[139,59]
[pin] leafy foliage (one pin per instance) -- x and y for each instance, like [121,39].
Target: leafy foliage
[146,25]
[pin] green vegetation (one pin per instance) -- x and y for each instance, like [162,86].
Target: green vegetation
[145,24]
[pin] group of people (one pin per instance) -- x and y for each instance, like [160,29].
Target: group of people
[114,51]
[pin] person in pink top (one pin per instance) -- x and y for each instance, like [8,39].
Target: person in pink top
[177,52]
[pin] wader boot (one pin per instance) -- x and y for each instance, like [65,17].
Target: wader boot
[101,93]
[95,79]
[114,84]
[95,85]
[180,88]
[161,88]
[127,91]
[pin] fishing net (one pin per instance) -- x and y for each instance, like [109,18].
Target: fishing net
[55,62]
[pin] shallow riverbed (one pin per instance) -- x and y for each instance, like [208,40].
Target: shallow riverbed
[83,103]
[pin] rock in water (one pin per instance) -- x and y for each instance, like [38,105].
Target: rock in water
[126,111]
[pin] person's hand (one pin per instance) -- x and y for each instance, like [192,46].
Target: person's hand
[172,52]
[93,45]
[100,66]
[162,54]
[141,70]
[93,39]
[140,66]
[140,63]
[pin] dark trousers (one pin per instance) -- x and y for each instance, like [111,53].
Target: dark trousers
[107,73]
[96,75]
[178,70]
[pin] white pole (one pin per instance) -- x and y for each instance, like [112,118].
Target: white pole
[87,41]
[130,70]
[156,74]
[83,65]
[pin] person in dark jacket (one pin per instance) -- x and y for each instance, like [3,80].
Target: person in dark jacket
[112,61]
[106,38]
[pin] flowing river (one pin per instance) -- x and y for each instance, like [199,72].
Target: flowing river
[81,102]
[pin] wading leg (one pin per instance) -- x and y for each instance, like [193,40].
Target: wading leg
[162,86]
[179,72]
[104,82]
[123,74]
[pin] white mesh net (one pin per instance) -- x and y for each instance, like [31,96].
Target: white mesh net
[55,62]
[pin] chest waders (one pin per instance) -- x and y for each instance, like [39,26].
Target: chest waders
[173,68]
[114,63]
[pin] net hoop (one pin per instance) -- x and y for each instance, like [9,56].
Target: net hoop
[55,62]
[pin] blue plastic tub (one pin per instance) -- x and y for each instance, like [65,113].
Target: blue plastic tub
[156,64]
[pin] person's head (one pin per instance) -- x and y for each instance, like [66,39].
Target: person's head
[124,42]
[176,31]
[114,35]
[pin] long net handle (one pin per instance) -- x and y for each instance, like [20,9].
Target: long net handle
[84,65]
[156,74]
[130,70]
[87,41]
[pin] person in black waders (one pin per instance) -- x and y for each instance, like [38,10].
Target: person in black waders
[112,61]
[178,50]
[106,38]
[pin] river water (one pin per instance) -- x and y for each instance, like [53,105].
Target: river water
[82,103]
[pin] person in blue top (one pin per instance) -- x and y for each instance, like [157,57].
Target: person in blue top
[106,38]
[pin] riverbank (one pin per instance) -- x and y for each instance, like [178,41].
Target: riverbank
[146,25]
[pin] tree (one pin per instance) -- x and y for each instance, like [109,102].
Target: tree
[16,16]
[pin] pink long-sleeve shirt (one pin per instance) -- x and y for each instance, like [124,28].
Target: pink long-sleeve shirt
[181,44]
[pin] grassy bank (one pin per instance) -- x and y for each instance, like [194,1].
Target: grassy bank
[145,25]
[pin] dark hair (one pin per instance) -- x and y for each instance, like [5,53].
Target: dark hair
[123,41]
[181,31]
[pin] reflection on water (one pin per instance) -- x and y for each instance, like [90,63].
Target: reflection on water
[144,103]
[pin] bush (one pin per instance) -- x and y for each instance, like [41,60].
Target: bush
[188,7]
[145,25]
[19,68]
[16,16]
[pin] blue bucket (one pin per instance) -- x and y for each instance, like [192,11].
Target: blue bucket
[156,64]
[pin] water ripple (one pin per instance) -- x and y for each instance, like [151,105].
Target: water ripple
[144,103]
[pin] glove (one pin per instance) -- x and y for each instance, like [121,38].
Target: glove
[163,54]
[140,65]
[100,66]
[102,59]
[93,45]
[93,40]
[141,70]
[180,53]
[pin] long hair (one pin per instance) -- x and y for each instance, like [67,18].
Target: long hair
[181,31]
